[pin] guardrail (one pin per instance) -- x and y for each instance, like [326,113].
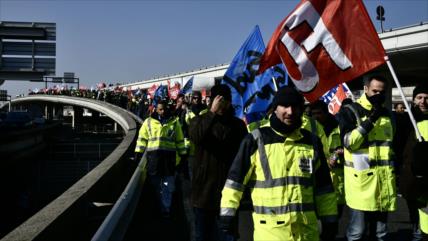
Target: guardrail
[66,217]
[116,223]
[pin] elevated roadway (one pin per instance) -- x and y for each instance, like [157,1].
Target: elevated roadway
[71,215]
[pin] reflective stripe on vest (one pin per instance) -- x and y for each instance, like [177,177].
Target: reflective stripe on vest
[369,164]
[291,207]
[380,143]
[234,185]
[263,157]
[227,211]
[149,124]
[279,182]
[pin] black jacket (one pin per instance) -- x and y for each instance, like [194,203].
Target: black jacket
[411,187]
[217,140]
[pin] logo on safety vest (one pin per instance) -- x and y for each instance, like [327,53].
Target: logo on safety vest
[305,165]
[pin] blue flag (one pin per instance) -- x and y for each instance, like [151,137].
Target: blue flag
[187,87]
[160,93]
[261,101]
[241,74]
[252,93]
[263,97]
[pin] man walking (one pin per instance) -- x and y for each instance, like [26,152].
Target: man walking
[216,135]
[285,167]
[367,133]
[414,177]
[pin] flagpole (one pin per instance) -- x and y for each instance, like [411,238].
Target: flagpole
[412,118]
[274,84]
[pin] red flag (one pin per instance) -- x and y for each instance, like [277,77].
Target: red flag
[204,93]
[169,87]
[336,102]
[151,91]
[324,43]
[174,91]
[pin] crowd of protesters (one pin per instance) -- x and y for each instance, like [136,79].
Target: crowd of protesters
[304,162]
[138,101]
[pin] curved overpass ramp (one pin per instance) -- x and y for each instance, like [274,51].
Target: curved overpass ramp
[70,216]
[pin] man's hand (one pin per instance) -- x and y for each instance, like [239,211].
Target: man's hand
[335,157]
[217,104]
[376,113]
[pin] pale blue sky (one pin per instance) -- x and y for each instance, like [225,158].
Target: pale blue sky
[127,41]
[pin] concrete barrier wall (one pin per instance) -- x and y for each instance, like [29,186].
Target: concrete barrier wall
[68,217]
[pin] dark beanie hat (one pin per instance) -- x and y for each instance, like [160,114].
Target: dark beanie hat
[287,96]
[222,90]
[420,88]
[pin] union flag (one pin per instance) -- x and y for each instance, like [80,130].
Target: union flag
[324,43]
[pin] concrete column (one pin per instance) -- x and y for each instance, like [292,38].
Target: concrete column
[72,120]
[95,119]
[78,116]
[46,112]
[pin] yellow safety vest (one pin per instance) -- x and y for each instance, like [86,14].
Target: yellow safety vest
[290,185]
[316,128]
[336,173]
[423,212]
[155,137]
[368,168]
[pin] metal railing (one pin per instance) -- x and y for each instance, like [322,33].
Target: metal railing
[116,223]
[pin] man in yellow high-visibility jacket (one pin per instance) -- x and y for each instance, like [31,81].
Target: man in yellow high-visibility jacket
[285,167]
[335,159]
[414,175]
[161,137]
[367,132]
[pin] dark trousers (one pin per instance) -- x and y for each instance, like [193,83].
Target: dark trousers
[206,226]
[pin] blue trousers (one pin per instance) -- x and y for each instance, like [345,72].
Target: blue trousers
[375,221]
[164,188]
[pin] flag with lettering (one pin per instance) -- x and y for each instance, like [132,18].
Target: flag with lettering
[334,97]
[273,78]
[324,43]
[241,76]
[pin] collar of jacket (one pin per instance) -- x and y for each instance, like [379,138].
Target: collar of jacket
[155,116]
[294,135]
[364,102]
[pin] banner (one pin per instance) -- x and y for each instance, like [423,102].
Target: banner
[334,97]
[174,91]
[187,89]
[275,77]
[161,92]
[324,43]
[151,91]
[242,72]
